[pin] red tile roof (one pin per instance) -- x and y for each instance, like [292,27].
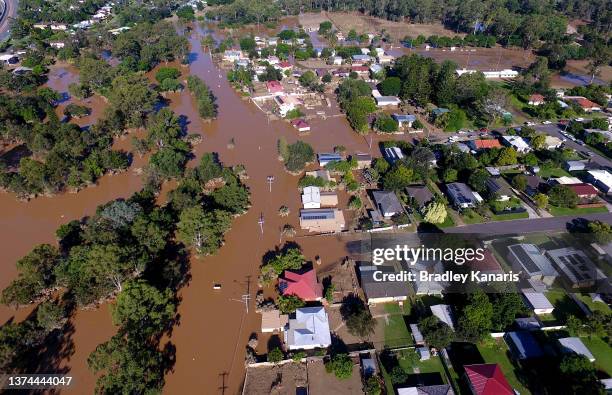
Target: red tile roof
[303,285]
[274,86]
[284,65]
[488,379]
[536,97]
[586,103]
[299,124]
[359,69]
[479,144]
[583,189]
[488,264]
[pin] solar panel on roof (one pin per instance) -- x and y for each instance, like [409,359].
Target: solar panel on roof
[525,259]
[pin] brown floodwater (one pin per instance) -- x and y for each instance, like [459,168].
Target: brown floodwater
[213,330]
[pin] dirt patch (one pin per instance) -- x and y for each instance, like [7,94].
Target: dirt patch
[323,383]
[345,21]
[276,379]
[343,278]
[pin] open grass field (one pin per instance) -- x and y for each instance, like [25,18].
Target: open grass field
[601,351]
[396,331]
[498,353]
[561,211]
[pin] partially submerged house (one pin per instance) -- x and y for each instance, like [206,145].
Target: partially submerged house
[303,285]
[273,321]
[323,220]
[325,158]
[308,328]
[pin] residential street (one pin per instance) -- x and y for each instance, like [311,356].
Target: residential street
[526,225]
[553,130]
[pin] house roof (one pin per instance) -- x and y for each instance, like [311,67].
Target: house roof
[440,389]
[311,194]
[537,300]
[382,289]
[363,157]
[524,344]
[309,328]
[460,193]
[583,189]
[303,285]
[575,345]
[404,117]
[488,379]
[360,69]
[416,333]
[487,265]
[299,124]
[272,319]
[284,65]
[532,259]
[586,103]
[499,186]
[486,143]
[444,314]
[516,141]
[536,97]
[387,202]
[602,176]
[420,193]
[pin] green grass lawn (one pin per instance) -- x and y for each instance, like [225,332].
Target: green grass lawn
[564,306]
[432,365]
[508,217]
[471,217]
[601,351]
[396,331]
[553,172]
[562,211]
[448,222]
[497,353]
[593,306]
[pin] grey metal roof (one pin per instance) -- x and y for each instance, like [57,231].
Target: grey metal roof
[387,202]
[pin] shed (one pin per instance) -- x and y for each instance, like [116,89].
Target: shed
[575,345]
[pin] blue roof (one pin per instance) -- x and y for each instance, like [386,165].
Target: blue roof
[316,213]
[328,157]
[525,345]
[404,117]
[361,57]
[439,110]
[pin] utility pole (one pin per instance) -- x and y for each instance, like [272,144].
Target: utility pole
[261,222]
[270,181]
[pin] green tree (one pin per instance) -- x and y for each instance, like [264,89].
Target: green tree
[436,333]
[287,304]
[390,86]
[275,355]
[507,156]
[538,142]
[130,94]
[164,73]
[562,196]
[143,309]
[476,318]
[50,316]
[579,375]
[385,123]
[298,155]
[540,200]
[435,213]
[399,177]
[601,231]
[519,182]
[291,259]
[203,230]
[398,375]
[507,307]
[478,180]
[340,365]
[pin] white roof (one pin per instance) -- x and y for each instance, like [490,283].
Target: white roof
[5,57]
[565,180]
[602,176]
[416,333]
[309,329]
[575,345]
[311,195]
[537,300]
[516,141]
[444,314]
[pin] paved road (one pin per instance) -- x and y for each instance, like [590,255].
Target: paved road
[526,225]
[11,12]
[553,130]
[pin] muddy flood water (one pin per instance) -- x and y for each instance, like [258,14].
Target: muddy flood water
[211,336]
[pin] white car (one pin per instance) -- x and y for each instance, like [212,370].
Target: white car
[546,123]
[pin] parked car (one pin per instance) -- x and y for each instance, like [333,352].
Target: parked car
[546,123]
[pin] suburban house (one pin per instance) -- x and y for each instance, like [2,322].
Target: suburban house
[499,188]
[363,160]
[273,321]
[552,142]
[533,185]
[307,329]
[536,99]
[274,86]
[517,142]
[538,302]
[384,101]
[480,144]
[286,104]
[336,60]
[488,265]
[427,287]
[528,259]
[496,74]
[462,196]
[601,179]
[326,158]
[487,379]
[383,291]
[574,165]
[586,104]
[303,285]
[322,220]
[393,154]
[301,125]
[284,66]
[584,191]
[439,389]
[564,180]
[527,323]
[232,55]
[376,69]
[387,203]
[404,119]
[576,267]
[361,70]
[576,346]
[361,58]
[523,345]
[383,59]
[420,194]
[311,197]
[444,313]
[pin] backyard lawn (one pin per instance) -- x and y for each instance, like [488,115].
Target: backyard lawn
[396,331]
[471,217]
[552,172]
[564,306]
[508,217]
[497,353]
[601,351]
[593,306]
